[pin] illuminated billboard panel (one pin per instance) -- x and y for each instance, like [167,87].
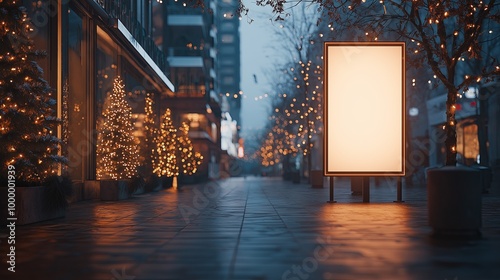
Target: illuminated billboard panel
[364,108]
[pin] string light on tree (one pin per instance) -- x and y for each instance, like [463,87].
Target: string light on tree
[165,162]
[27,113]
[188,160]
[117,151]
[148,146]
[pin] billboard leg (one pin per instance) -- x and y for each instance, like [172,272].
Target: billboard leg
[399,191]
[331,191]
[366,189]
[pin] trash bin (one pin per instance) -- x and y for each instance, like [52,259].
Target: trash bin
[295,177]
[486,177]
[356,185]
[316,178]
[287,175]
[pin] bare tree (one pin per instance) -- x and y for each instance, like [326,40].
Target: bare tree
[440,34]
[297,85]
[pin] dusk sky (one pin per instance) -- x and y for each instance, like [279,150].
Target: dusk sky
[256,56]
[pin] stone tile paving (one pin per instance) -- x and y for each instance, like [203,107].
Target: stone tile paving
[256,229]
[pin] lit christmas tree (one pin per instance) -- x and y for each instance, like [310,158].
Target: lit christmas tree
[148,147]
[188,159]
[28,122]
[117,151]
[165,162]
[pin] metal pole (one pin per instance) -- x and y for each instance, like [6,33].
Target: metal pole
[331,191]
[399,190]
[366,189]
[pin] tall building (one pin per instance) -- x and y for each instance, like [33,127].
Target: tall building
[188,38]
[228,70]
[228,52]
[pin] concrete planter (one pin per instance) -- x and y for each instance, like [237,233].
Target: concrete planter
[167,182]
[137,186]
[77,192]
[454,200]
[357,185]
[112,190]
[316,178]
[140,190]
[153,184]
[32,205]
[295,177]
[186,180]
[91,190]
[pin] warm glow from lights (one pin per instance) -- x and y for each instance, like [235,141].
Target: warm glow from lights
[241,152]
[117,151]
[365,109]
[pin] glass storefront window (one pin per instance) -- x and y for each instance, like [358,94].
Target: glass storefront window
[41,20]
[467,143]
[74,96]
[106,68]
[137,89]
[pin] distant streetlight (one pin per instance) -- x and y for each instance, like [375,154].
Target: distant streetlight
[471,93]
[413,112]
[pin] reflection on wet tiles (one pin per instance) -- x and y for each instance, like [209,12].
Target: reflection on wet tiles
[258,228]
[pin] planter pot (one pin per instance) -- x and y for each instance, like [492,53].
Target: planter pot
[167,182]
[316,178]
[454,200]
[186,180]
[91,190]
[137,186]
[32,204]
[295,177]
[153,184]
[287,175]
[486,177]
[77,192]
[114,189]
[357,185]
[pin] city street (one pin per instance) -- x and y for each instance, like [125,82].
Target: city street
[254,228]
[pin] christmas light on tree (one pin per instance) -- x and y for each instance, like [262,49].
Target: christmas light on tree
[28,123]
[117,151]
[148,145]
[188,159]
[165,161]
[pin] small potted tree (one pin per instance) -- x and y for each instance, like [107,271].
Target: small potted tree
[187,160]
[165,158]
[148,146]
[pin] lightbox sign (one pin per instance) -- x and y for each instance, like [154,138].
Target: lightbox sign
[364,108]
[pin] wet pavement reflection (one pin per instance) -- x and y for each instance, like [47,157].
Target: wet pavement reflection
[254,228]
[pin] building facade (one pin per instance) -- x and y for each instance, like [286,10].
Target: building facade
[160,50]
[189,37]
[477,115]
[228,75]
[228,51]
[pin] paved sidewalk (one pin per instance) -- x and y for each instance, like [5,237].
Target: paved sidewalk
[256,229]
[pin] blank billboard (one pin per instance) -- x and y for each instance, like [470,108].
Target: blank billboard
[364,108]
